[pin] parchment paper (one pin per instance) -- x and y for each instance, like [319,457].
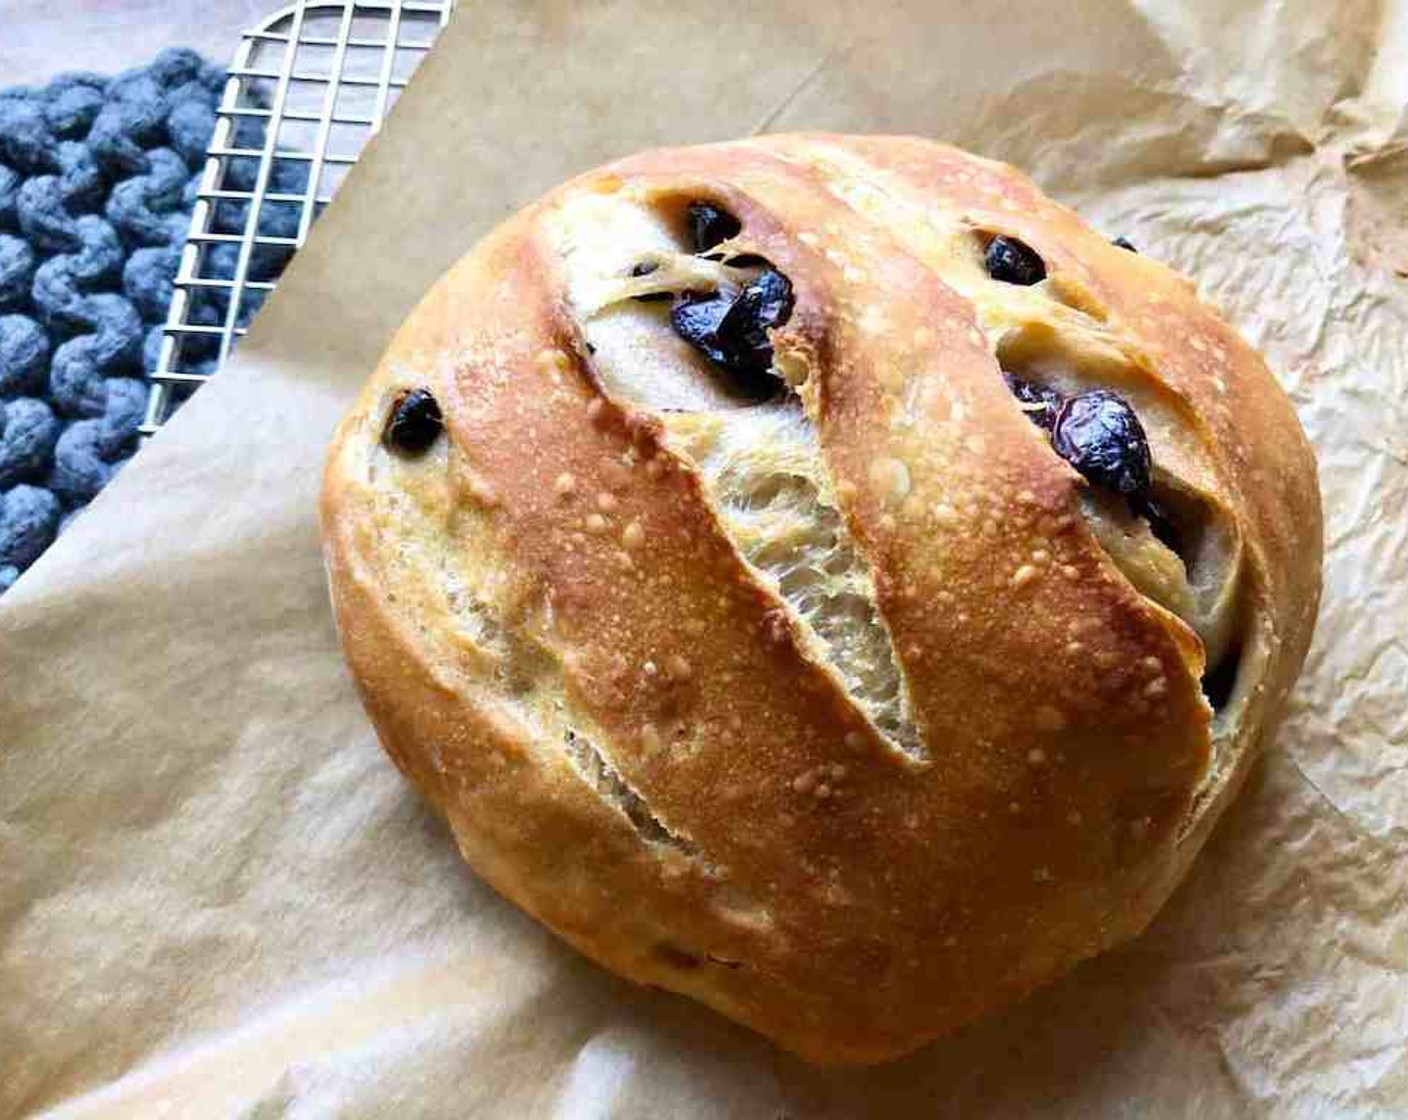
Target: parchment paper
[218,898]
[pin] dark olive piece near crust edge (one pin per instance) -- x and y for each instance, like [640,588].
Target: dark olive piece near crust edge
[764,304]
[1101,437]
[1014,262]
[709,226]
[1099,434]
[1048,401]
[731,330]
[415,422]
[1124,243]
[696,317]
[1043,404]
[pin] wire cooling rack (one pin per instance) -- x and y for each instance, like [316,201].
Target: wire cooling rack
[308,87]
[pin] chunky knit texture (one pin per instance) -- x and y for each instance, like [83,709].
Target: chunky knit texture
[97,179]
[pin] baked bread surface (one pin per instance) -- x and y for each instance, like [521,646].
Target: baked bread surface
[852,710]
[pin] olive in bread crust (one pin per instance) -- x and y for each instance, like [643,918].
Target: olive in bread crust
[822,576]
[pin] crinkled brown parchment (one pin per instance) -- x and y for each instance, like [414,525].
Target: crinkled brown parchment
[218,898]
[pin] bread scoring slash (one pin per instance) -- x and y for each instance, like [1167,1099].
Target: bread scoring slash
[821,576]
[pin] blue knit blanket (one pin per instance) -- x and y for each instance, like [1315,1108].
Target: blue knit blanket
[97,180]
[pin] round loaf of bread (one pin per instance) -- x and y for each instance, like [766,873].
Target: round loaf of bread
[822,576]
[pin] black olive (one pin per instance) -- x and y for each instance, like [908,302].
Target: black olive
[764,304]
[1124,243]
[708,225]
[645,268]
[1044,401]
[1099,434]
[1014,262]
[1160,524]
[696,317]
[732,330]
[415,422]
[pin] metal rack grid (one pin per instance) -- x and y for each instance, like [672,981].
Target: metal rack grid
[319,77]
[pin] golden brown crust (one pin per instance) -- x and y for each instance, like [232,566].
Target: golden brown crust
[629,726]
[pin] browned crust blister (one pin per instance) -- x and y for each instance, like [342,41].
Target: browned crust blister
[797,871]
